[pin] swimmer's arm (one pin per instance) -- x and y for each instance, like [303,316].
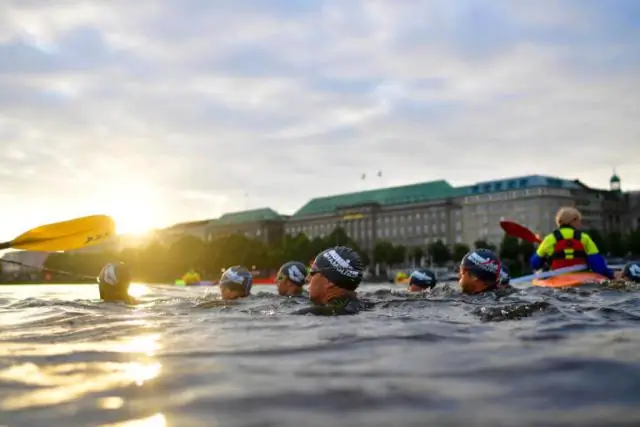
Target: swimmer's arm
[545,250]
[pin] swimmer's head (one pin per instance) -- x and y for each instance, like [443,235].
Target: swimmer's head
[113,282]
[631,271]
[335,272]
[291,277]
[421,279]
[480,270]
[236,282]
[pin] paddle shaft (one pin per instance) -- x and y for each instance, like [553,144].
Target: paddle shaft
[50,270]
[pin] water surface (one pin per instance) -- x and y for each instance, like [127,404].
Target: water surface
[537,358]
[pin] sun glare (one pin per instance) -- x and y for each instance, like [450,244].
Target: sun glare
[133,206]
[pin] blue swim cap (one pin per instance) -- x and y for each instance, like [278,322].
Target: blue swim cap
[483,264]
[423,278]
[239,275]
[632,271]
[294,271]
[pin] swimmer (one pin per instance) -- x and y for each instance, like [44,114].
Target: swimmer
[631,272]
[335,275]
[236,283]
[113,283]
[479,272]
[421,280]
[291,278]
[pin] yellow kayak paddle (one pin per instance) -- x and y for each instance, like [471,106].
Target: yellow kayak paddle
[66,235]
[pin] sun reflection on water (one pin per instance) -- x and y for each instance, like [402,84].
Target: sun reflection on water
[55,384]
[156,420]
[137,290]
[145,344]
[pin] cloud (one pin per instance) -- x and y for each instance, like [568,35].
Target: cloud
[187,109]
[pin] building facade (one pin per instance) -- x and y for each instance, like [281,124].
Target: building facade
[418,214]
[411,215]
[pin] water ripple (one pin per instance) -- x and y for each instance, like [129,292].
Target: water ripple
[538,357]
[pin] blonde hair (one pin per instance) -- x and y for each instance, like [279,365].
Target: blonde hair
[567,215]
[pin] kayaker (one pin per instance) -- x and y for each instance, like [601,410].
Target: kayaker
[333,279]
[567,246]
[291,278]
[481,270]
[113,283]
[421,280]
[631,272]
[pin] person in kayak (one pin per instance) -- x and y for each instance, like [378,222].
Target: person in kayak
[291,278]
[631,272]
[567,246]
[481,270]
[421,280]
[333,279]
[113,283]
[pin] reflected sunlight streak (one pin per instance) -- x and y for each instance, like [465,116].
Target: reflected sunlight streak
[145,344]
[138,290]
[156,420]
[67,382]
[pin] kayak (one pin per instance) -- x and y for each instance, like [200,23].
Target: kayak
[570,280]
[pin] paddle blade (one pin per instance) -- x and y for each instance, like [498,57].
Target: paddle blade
[66,235]
[514,229]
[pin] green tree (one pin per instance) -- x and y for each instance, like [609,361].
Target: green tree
[383,252]
[483,244]
[509,248]
[616,244]
[398,255]
[439,252]
[459,251]
[633,242]
[417,253]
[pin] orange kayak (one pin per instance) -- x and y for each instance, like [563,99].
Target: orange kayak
[570,280]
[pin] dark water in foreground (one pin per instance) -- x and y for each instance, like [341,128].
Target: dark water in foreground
[537,358]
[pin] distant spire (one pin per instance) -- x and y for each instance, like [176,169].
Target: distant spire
[614,182]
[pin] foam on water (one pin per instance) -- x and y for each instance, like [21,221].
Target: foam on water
[538,357]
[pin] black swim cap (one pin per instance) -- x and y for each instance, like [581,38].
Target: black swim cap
[294,271]
[632,271]
[115,275]
[483,264]
[423,277]
[341,265]
[237,274]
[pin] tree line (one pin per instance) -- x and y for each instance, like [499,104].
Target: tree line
[156,262]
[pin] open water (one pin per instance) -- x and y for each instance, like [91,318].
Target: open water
[537,358]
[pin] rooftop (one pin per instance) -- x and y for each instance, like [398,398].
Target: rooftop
[254,215]
[189,224]
[523,182]
[412,193]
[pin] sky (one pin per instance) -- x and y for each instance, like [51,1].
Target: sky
[160,111]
